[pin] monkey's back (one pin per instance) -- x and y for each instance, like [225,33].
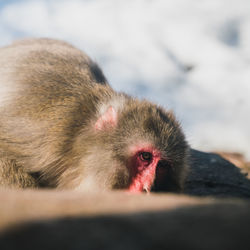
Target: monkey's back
[44,86]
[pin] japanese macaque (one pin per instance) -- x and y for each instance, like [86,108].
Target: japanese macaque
[63,126]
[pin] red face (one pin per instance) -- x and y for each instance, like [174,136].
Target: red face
[143,165]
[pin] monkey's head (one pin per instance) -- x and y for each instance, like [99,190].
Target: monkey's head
[136,146]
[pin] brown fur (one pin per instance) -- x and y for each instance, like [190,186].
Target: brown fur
[47,122]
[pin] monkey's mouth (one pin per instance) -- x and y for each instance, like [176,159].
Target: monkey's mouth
[137,188]
[146,190]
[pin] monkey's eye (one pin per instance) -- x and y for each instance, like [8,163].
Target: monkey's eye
[146,156]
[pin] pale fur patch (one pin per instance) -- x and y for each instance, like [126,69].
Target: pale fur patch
[116,102]
[88,184]
[87,181]
[7,91]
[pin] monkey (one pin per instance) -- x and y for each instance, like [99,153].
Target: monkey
[63,126]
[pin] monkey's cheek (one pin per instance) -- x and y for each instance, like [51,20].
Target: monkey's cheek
[121,180]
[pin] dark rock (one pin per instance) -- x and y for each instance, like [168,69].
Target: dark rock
[222,226]
[212,175]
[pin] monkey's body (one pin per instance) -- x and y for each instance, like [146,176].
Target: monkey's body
[61,125]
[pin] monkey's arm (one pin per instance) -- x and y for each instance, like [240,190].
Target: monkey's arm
[13,176]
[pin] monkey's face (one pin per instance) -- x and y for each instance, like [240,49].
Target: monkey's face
[139,149]
[156,146]
[142,164]
[145,148]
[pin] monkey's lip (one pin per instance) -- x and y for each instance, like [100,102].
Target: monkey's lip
[139,189]
[146,190]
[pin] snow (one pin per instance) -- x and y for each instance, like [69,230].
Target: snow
[192,56]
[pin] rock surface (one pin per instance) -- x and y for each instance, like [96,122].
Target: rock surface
[210,174]
[205,227]
[57,220]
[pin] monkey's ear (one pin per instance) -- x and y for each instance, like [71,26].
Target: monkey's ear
[108,119]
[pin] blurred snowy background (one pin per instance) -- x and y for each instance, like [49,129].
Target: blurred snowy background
[192,56]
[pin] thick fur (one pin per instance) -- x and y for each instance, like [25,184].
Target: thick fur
[52,95]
